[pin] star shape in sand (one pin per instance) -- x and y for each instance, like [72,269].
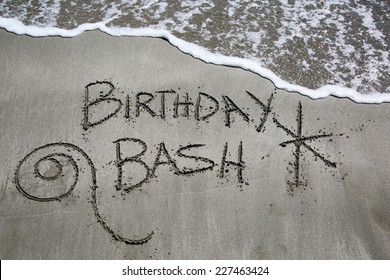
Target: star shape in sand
[300,141]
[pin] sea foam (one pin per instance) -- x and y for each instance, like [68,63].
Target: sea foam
[252,64]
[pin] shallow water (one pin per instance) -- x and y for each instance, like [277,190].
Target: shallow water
[307,43]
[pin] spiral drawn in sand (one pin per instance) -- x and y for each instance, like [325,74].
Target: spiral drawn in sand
[59,162]
[56,161]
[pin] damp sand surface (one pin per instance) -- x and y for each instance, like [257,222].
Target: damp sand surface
[126,148]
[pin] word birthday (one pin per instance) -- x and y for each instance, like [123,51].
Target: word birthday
[156,105]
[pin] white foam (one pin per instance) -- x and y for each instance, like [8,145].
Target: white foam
[17,27]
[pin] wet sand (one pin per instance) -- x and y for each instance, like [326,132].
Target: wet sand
[126,148]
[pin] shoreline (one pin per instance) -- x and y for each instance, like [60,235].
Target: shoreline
[198,52]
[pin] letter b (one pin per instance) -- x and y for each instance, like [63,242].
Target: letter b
[103,98]
[120,162]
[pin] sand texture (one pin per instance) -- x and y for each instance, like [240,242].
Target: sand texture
[126,148]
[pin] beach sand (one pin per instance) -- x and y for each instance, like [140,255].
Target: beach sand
[238,170]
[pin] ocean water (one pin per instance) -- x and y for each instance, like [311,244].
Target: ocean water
[318,48]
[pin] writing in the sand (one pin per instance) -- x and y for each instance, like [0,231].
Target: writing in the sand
[101,105]
[163,157]
[163,105]
[159,103]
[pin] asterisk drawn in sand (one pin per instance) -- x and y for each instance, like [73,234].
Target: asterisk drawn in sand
[300,141]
